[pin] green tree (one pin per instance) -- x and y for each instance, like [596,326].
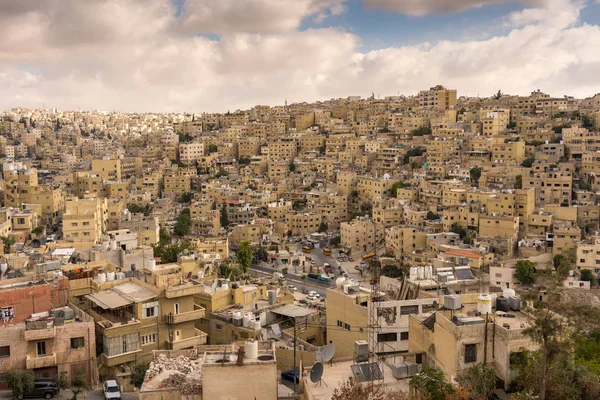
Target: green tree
[323,227]
[19,381]
[430,382]
[212,148]
[528,162]
[261,253]
[525,272]
[79,383]
[335,241]
[292,166]
[8,242]
[285,270]
[462,232]
[164,236]
[391,271]
[480,380]
[139,373]
[475,174]
[244,256]
[224,216]
[421,131]
[184,223]
[498,95]
[397,185]
[588,276]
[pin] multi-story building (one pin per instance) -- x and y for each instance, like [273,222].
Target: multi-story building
[402,240]
[85,220]
[438,97]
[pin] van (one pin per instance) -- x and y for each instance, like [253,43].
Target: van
[111,390]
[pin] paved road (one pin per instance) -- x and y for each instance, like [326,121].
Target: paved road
[67,395]
[310,284]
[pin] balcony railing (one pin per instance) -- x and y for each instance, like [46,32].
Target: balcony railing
[186,316]
[122,358]
[40,361]
[39,334]
[200,338]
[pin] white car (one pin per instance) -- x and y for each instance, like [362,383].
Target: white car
[314,294]
[311,297]
[292,288]
[111,390]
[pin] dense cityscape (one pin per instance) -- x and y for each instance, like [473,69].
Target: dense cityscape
[400,241]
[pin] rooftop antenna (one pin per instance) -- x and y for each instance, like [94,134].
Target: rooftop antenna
[316,374]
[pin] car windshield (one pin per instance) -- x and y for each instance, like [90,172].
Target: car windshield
[112,389]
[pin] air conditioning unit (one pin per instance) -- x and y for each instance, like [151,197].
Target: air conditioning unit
[361,351]
[452,302]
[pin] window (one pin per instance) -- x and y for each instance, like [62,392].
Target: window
[340,323]
[148,339]
[403,335]
[176,308]
[21,221]
[41,348]
[470,353]
[219,327]
[5,351]
[150,309]
[347,327]
[77,342]
[408,310]
[387,337]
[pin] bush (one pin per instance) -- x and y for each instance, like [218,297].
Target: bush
[525,272]
[139,373]
[19,381]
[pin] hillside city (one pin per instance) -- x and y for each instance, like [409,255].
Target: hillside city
[419,246]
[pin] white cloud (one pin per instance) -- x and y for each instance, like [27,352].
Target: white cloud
[228,16]
[132,56]
[425,7]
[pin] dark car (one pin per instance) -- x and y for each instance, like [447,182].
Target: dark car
[41,389]
[289,375]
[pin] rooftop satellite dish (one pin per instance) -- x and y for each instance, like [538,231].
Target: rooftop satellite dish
[316,372]
[436,305]
[328,352]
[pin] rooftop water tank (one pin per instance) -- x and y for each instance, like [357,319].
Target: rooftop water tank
[101,277]
[484,304]
[246,321]
[251,349]
[508,293]
[110,276]
[502,304]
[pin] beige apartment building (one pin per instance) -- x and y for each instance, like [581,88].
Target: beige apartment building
[361,235]
[84,220]
[403,240]
[437,97]
[554,187]
[566,236]
[303,223]
[190,152]
[588,254]
[277,211]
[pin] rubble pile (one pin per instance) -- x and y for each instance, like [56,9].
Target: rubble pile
[183,364]
[182,382]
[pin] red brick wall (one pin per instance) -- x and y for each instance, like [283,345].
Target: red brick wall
[20,300]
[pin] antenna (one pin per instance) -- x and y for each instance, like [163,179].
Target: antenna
[328,352]
[316,374]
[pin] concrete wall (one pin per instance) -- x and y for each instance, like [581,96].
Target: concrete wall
[246,382]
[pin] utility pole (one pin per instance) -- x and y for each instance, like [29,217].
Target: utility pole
[294,368]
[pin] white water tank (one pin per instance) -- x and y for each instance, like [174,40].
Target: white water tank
[339,282]
[101,277]
[251,349]
[113,244]
[255,325]
[508,293]
[120,275]
[110,276]
[225,286]
[484,304]
[151,265]
[263,318]
[246,322]
[413,273]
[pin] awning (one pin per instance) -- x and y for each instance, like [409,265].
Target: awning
[293,311]
[108,300]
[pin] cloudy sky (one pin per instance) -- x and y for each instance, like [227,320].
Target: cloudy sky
[220,55]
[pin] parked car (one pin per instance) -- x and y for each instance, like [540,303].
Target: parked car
[350,259]
[42,390]
[303,301]
[111,390]
[311,297]
[292,288]
[290,375]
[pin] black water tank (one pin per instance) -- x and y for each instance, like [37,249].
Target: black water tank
[502,304]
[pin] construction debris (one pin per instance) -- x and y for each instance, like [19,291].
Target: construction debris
[182,363]
[182,382]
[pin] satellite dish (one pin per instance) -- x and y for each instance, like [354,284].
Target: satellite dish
[328,352]
[316,372]
[436,305]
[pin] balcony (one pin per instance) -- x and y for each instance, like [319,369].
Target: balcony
[40,361]
[39,334]
[122,358]
[200,338]
[187,316]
